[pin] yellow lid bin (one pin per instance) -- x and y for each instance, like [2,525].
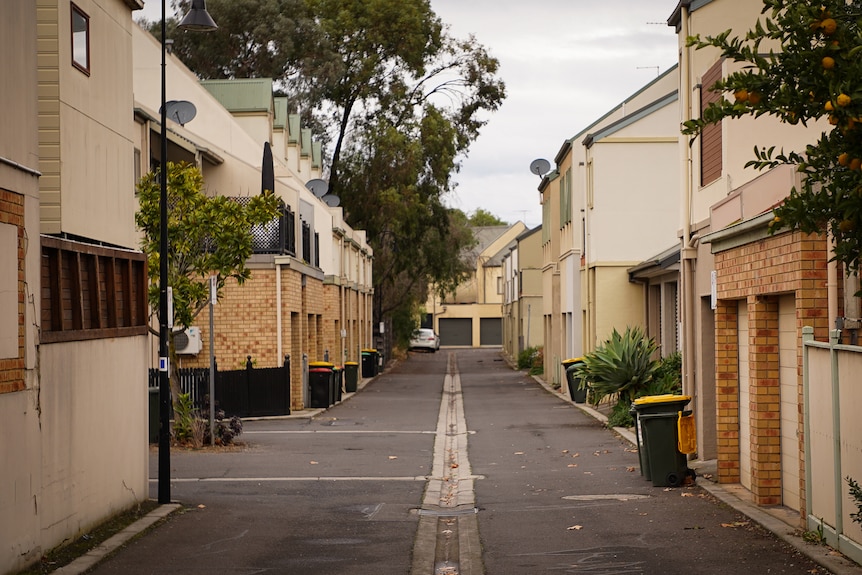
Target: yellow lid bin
[666,398]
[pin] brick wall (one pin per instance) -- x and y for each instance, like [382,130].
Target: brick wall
[12,368]
[246,323]
[758,272]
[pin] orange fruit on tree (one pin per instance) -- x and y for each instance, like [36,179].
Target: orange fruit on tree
[828,26]
[754,98]
[828,106]
[846,226]
[828,62]
[855,164]
[741,95]
[843,100]
[844,159]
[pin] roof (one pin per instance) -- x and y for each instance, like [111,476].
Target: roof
[242,95]
[280,117]
[667,260]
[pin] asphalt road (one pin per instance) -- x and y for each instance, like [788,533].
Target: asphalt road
[449,463]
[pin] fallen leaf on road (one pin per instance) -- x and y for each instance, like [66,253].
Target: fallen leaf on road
[588,472]
[454,466]
[686,494]
[630,469]
[735,524]
[202,506]
[565,451]
[575,527]
[572,465]
[312,462]
[519,453]
[393,457]
[576,455]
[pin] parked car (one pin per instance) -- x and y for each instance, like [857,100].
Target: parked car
[425,338]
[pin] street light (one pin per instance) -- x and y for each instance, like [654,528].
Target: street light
[197,19]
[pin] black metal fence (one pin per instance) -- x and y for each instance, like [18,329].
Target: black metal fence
[249,392]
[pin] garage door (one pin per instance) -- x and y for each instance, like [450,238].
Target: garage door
[456,331]
[490,331]
[789,380]
[744,398]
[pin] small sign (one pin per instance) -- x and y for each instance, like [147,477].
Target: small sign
[213,290]
[344,334]
[381,327]
[163,364]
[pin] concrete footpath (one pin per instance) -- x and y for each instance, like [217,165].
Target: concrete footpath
[781,522]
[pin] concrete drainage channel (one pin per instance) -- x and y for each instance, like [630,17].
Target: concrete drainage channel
[447,540]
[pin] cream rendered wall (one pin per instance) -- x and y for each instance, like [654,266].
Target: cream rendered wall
[21,448]
[94,427]
[87,150]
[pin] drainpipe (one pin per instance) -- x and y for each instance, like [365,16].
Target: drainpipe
[688,254]
[278,345]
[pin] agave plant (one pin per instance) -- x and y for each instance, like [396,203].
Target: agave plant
[621,367]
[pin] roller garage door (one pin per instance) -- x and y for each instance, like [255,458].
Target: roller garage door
[456,331]
[490,331]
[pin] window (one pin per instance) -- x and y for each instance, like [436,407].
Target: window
[80,40]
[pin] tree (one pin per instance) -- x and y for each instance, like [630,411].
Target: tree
[401,99]
[482,218]
[207,236]
[812,70]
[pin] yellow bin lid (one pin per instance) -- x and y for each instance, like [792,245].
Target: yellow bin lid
[320,364]
[573,360]
[350,363]
[666,398]
[370,350]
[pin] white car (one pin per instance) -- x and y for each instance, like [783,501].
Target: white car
[425,338]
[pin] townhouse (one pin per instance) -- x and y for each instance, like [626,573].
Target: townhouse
[472,316]
[75,314]
[522,294]
[309,297]
[609,203]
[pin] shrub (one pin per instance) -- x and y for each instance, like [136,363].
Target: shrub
[532,359]
[192,428]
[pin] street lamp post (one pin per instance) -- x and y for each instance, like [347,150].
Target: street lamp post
[197,19]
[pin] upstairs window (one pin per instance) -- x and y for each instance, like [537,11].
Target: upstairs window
[80,40]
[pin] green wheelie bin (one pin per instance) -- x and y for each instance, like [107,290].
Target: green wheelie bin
[351,376]
[657,433]
[577,394]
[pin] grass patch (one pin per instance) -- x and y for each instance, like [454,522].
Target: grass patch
[65,554]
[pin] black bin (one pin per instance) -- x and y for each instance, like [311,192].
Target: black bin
[320,383]
[577,394]
[369,362]
[351,376]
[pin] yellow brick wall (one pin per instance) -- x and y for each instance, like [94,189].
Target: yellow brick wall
[758,272]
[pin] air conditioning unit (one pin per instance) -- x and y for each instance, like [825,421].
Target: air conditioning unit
[188,342]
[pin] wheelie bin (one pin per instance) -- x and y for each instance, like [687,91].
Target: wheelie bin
[320,383]
[337,383]
[657,431]
[369,362]
[571,366]
[351,376]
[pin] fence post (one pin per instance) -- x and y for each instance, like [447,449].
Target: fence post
[286,368]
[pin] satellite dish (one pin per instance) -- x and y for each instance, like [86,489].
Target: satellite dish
[540,167]
[180,111]
[318,187]
[331,200]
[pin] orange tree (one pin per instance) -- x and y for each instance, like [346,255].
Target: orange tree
[802,62]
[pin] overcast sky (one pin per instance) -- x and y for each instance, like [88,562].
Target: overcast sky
[565,63]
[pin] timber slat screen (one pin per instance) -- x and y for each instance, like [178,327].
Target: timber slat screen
[91,292]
